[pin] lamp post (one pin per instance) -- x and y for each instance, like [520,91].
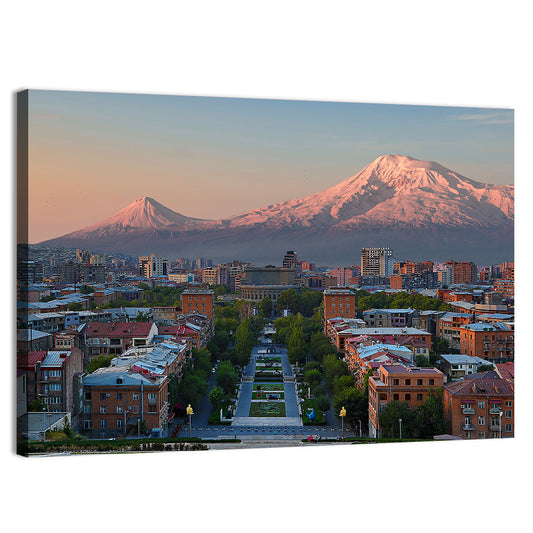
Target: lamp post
[360,430]
[501,413]
[400,420]
[190,412]
[342,414]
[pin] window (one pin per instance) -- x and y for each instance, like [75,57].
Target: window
[102,409]
[481,420]
[119,396]
[395,381]
[119,423]
[102,396]
[432,382]
[408,382]
[419,382]
[152,396]
[396,397]
[407,397]
[481,405]
[419,397]
[87,424]
[508,414]
[508,428]
[481,435]
[135,409]
[119,408]
[54,373]
[508,403]
[135,395]
[103,423]
[55,386]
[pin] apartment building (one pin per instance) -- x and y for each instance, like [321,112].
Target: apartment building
[449,327]
[376,262]
[116,400]
[199,301]
[493,341]
[400,383]
[339,302]
[480,406]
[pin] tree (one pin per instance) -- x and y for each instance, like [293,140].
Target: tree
[142,317]
[313,377]
[202,362]
[485,368]
[86,289]
[429,417]
[266,306]
[354,401]
[193,388]
[226,377]
[296,346]
[99,361]
[75,306]
[290,300]
[322,402]
[244,342]
[216,396]
[333,367]
[389,420]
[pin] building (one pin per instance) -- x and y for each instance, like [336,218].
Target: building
[456,366]
[83,256]
[449,324]
[480,406]
[113,338]
[505,287]
[389,318]
[339,302]
[153,266]
[399,383]
[199,301]
[54,377]
[463,271]
[269,275]
[117,400]
[290,260]
[342,274]
[376,262]
[492,341]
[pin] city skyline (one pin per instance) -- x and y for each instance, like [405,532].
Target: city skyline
[208,157]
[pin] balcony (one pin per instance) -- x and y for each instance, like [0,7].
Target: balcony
[495,410]
[469,411]
[468,427]
[495,427]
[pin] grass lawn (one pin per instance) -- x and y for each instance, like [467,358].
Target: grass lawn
[319,419]
[269,387]
[267,409]
[262,395]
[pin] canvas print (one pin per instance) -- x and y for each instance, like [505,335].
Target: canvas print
[202,273]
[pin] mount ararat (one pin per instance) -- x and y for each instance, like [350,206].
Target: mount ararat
[420,209]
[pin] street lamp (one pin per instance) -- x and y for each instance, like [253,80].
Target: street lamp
[342,414]
[400,420]
[190,412]
[501,413]
[360,430]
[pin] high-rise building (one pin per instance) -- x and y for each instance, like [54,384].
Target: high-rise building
[83,256]
[153,266]
[290,260]
[376,262]
[463,272]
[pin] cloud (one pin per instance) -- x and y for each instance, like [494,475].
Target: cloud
[506,117]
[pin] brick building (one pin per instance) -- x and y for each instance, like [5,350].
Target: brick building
[197,301]
[339,302]
[494,341]
[480,406]
[397,382]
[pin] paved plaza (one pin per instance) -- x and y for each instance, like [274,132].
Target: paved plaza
[268,430]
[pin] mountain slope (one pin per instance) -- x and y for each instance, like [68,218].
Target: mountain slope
[145,214]
[420,208]
[393,190]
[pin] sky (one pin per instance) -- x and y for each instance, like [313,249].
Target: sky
[91,154]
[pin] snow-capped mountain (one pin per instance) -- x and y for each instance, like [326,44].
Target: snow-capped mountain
[420,207]
[396,191]
[145,214]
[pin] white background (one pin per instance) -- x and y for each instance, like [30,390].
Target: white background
[454,53]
